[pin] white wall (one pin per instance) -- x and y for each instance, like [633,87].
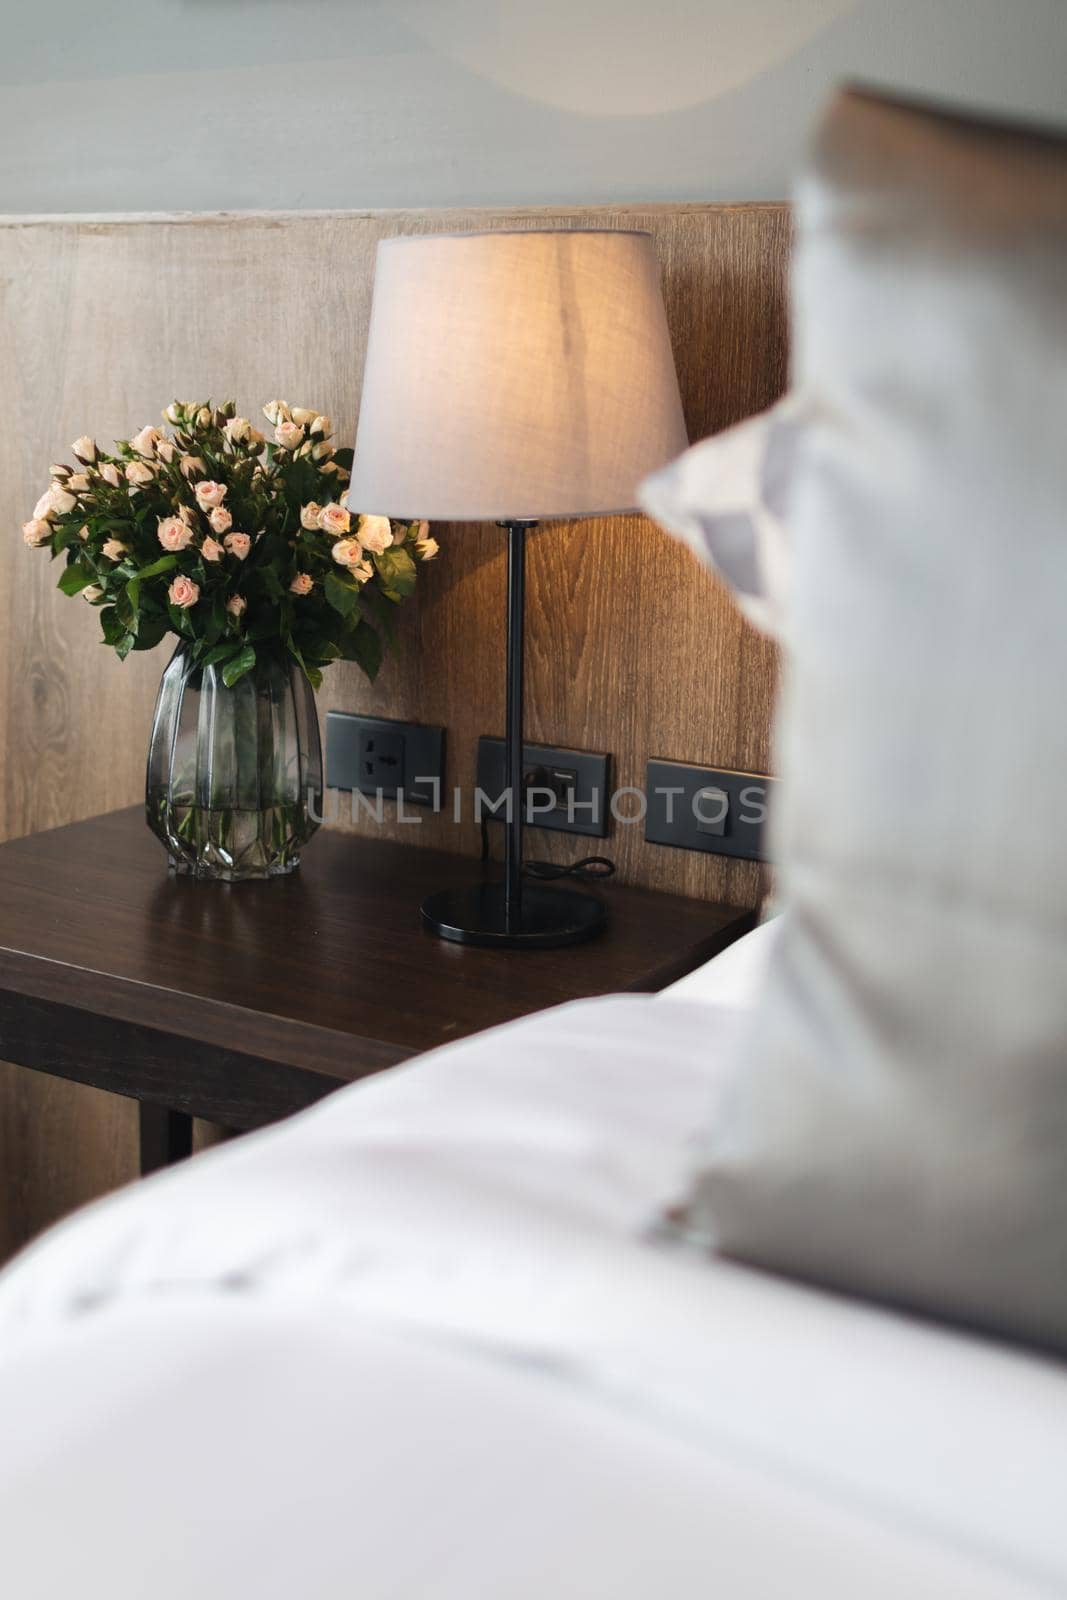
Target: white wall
[137,105]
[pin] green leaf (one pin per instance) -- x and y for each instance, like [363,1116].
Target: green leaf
[396,570]
[344,457]
[112,627]
[150,631]
[125,645]
[153,570]
[342,594]
[76,577]
[221,652]
[243,662]
[364,646]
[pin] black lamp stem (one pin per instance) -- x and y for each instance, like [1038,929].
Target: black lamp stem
[513,733]
[511,915]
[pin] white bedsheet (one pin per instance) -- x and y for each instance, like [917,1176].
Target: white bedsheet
[419,1342]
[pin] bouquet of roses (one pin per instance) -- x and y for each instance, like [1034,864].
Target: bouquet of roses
[237,543]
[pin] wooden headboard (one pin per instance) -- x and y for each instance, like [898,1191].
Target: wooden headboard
[632,648]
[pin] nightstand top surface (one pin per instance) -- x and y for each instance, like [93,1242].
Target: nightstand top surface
[328,971]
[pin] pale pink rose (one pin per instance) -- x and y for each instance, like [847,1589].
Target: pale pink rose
[237,605]
[426,549]
[36,532]
[334,519]
[211,550]
[145,441]
[114,549]
[375,533]
[92,592]
[139,472]
[54,502]
[174,534]
[237,430]
[183,592]
[110,474]
[347,552]
[323,426]
[190,466]
[238,544]
[209,493]
[287,435]
[322,451]
[165,449]
[220,520]
[302,416]
[77,482]
[276,411]
[309,516]
[85,449]
[301,584]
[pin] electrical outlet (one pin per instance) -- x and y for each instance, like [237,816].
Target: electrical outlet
[706,808]
[567,789]
[375,754]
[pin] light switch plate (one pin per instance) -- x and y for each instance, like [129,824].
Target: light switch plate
[706,808]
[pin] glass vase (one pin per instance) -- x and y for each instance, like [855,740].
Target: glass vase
[234,782]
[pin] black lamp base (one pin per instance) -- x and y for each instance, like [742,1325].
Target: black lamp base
[550,917]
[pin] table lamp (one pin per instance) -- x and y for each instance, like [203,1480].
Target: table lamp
[514,377]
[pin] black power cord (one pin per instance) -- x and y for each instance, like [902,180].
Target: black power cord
[586,870]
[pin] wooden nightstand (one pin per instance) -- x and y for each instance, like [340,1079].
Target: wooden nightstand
[242,1004]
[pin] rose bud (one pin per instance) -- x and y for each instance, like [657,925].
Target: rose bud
[85,449]
[36,532]
[375,533]
[322,425]
[220,520]
[211,550]
[190,466]
[347,552]
[139,472]
[165,449]
[145,441]
[302,583]
[92,591]
[334,519]
[114,549]
[237,605]
[209,493]
[110,474]
[183,592]
[287,435]
[302,415]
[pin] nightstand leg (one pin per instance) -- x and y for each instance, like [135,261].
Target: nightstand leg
[166,1137]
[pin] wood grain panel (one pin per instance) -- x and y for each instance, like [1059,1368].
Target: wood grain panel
[632,648]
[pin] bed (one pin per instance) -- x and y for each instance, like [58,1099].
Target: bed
[428,1339]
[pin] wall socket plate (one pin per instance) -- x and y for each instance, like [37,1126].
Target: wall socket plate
[707,808]
[376,754]
[578,780]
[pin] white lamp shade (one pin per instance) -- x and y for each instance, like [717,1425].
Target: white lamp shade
[514,375]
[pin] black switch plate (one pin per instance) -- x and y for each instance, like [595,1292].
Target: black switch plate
[705,808]
[373,754]
[577,779]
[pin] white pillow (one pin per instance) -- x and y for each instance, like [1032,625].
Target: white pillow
[727,498]
[897,1124]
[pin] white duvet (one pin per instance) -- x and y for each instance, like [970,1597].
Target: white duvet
[426,1341]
